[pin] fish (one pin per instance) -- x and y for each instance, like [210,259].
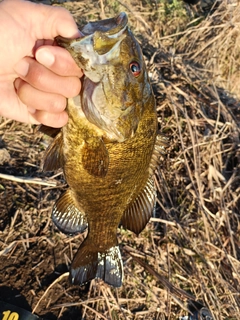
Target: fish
[108,150]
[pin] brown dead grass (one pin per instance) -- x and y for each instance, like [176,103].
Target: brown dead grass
[200,187]
[215,43]
[190,250]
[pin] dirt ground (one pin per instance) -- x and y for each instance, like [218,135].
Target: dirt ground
[188,255]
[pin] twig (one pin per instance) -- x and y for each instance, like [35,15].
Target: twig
[64,275]
[75,304]
[2,125]
[27,180]
[163,221]
[174,290]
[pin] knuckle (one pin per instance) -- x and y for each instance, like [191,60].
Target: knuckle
[43,117]
[74,87]
[58,104]
[50,119]
[22,89]
[36,77]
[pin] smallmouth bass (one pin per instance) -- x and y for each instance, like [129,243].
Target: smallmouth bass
[108,149]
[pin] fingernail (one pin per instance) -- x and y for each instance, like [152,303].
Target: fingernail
[45,57]
[21,68]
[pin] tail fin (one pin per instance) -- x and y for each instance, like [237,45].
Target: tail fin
[88,265]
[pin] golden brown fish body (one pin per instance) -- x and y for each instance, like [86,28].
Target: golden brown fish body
[108,148]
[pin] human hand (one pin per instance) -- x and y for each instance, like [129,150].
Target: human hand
[35,76]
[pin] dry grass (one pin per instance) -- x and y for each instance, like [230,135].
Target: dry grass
[190,251]
[215,43]
[199,189]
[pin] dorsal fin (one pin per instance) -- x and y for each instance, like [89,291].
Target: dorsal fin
[49,131]
[137,215]
[66,216]
[53,158]
[161,143]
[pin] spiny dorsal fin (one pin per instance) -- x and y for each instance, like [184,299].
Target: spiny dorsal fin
[88,264]
[66,216]
[53,158]
[95,158]
[49,131]
[161,143]
[137,215]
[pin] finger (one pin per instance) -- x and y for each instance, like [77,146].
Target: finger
[54,120]
[58,60]
[39,100]
[42,42]
[51,22]
[44,79]
[13,108]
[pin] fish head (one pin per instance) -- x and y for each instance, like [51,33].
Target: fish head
[116,87]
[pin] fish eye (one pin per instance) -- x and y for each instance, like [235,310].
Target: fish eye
[135,68]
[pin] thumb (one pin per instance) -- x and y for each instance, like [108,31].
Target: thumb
[44,21]
[54,21]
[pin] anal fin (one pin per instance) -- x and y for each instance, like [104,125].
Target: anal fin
[88,265]
[66,216]
[160,146]
[139,212]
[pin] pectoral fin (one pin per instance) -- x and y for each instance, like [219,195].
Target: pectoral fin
[137,215]
[66,216]
[53,158]
[95,158]
[49,131]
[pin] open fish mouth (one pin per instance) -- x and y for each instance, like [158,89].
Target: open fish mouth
[111,27]
[99,44]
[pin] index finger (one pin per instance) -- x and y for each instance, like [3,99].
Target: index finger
[58,60]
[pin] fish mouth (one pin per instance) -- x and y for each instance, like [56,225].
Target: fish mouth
[111,27]
[102,35]
[99,44]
